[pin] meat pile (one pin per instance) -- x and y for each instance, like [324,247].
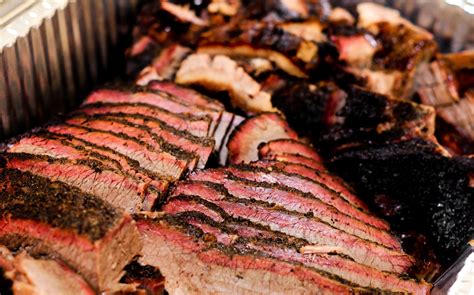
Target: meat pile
[198,175]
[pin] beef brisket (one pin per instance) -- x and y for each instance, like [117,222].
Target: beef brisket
[194,264]
[40,276]
[317,190]
[58,146]
[244,141]
[156,98]
[85,232]
[90,176]
[167,150]
[196,125]
[296,201]
[137,150]
[294,224]
[246,235]
[288,146]
[295,159]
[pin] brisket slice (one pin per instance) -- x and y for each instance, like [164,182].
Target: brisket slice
[245,139]
[196,125]
[59,146]
[332,182]
[156,98]
[318,190]
[294,224]
[293,200]
[167,168]
[295,159]
[193,264]
[139,132]
[187,95]
[200,146]
[288,146]
[90,176]
[52,218]
[40,276]
[246,235]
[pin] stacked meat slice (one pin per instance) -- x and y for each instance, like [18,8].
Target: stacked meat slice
[67,189]
[273,222]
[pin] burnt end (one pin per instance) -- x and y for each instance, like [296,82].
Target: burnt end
[303,106]
[27,196]
[364,108]
[431,192]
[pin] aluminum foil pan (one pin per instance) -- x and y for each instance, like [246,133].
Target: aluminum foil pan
[52,52]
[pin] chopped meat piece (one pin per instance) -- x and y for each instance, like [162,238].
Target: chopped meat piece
[40,276]
[224,7]
[309,31]
[221,73]
[290,52]
[167,63]
[183,13]
[341,16]
[245,139]
[85,232]
[147,277]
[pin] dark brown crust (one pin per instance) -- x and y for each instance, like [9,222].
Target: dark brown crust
[30,197]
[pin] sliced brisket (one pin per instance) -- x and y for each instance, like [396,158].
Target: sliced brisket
[194,264]
[295,159]
[292,200]
[49,217]
[318,190]
[156,98]
[138,132]
[196,125]
[160,164]
[90,176]
[294,224]
[245,139]
[246,235]
[288,146]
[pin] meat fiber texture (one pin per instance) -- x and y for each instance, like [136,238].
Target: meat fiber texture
[40,276]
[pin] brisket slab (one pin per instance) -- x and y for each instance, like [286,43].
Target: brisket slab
[295,224]
[244,141]
[85,232]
